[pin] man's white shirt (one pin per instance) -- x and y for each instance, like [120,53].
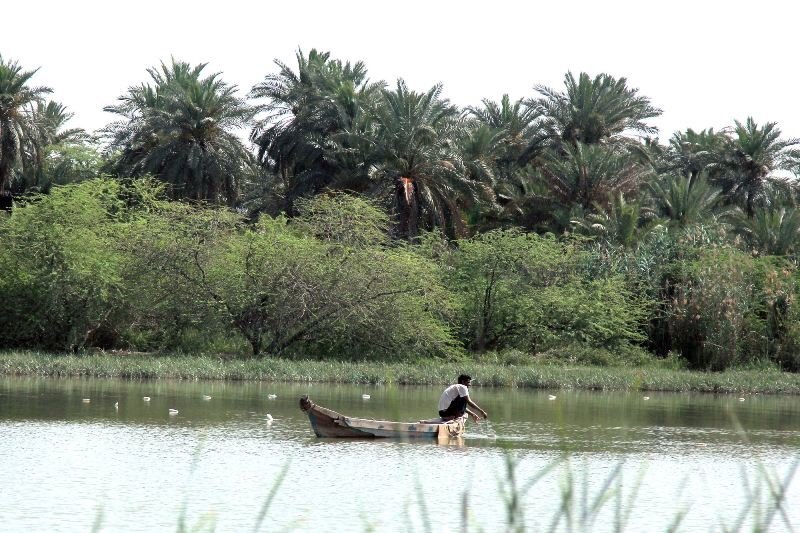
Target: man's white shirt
[451,393]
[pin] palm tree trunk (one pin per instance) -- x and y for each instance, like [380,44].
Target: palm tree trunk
[6,202]
[8,154]
[406,193]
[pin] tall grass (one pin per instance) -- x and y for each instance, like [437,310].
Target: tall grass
[578,508]
[544,376]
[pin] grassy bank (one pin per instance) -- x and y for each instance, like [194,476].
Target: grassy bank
[542,376]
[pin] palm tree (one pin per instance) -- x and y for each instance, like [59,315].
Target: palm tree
[690,153]
[518,128]
[417,171]
[478,148]
[621,223]
[182,130]
[589,175]
[49,132]
[596,110]
[683,201]
[316,119]
[771,230]
[750,158]
[16,120]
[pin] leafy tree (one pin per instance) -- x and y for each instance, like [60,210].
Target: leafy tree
[601,313]
[339,218]
[182,130]
[519,290]
[17,121]
[70,162]
[301,287]
[497,276]
[61,269]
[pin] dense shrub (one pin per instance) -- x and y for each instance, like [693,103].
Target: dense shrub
[520,290]
[61,284]
[112,264]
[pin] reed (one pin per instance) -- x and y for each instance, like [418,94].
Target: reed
[534,375]
[578,508]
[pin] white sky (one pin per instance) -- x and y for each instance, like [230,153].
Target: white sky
[704,62]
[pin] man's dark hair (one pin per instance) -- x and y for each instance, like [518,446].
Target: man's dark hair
[463,379]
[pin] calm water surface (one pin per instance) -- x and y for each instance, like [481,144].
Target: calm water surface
[67,465]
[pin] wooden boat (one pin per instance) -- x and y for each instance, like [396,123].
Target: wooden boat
[328,423]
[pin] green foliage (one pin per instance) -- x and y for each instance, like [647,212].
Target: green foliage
[306,288]
[54,154]
[495,276]
[418,173]
[518,290]
[591,111]
[589,175]
[18,124]
[600,313]
[69,162]
[684,201]
[181,130]
[343,219]
[691,153]
[512,130]
[623,223]
[716,312]
[60,269]
[316,119]
[751,155]
[648,246]
[771,230]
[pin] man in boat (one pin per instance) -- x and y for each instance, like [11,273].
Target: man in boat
[455,401]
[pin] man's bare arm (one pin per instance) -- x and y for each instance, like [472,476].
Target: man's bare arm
[476,406]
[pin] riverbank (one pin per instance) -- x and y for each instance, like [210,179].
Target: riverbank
[540,376]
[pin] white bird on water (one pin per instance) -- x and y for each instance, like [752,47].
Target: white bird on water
[272,396]
[365,396]
[173,412]
[87,400]
[741,399]
[646,398]
[206,397]
[116,405]
[269,418]
[551,397]
[146,398]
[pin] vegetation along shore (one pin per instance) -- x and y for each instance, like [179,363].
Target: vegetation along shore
[539,376]
[368,222]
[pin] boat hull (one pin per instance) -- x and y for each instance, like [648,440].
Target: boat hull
[328,423]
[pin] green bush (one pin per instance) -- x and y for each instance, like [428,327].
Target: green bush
[520,291]
[61,282]
[298,287]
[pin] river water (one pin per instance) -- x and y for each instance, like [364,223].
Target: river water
[582,461]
